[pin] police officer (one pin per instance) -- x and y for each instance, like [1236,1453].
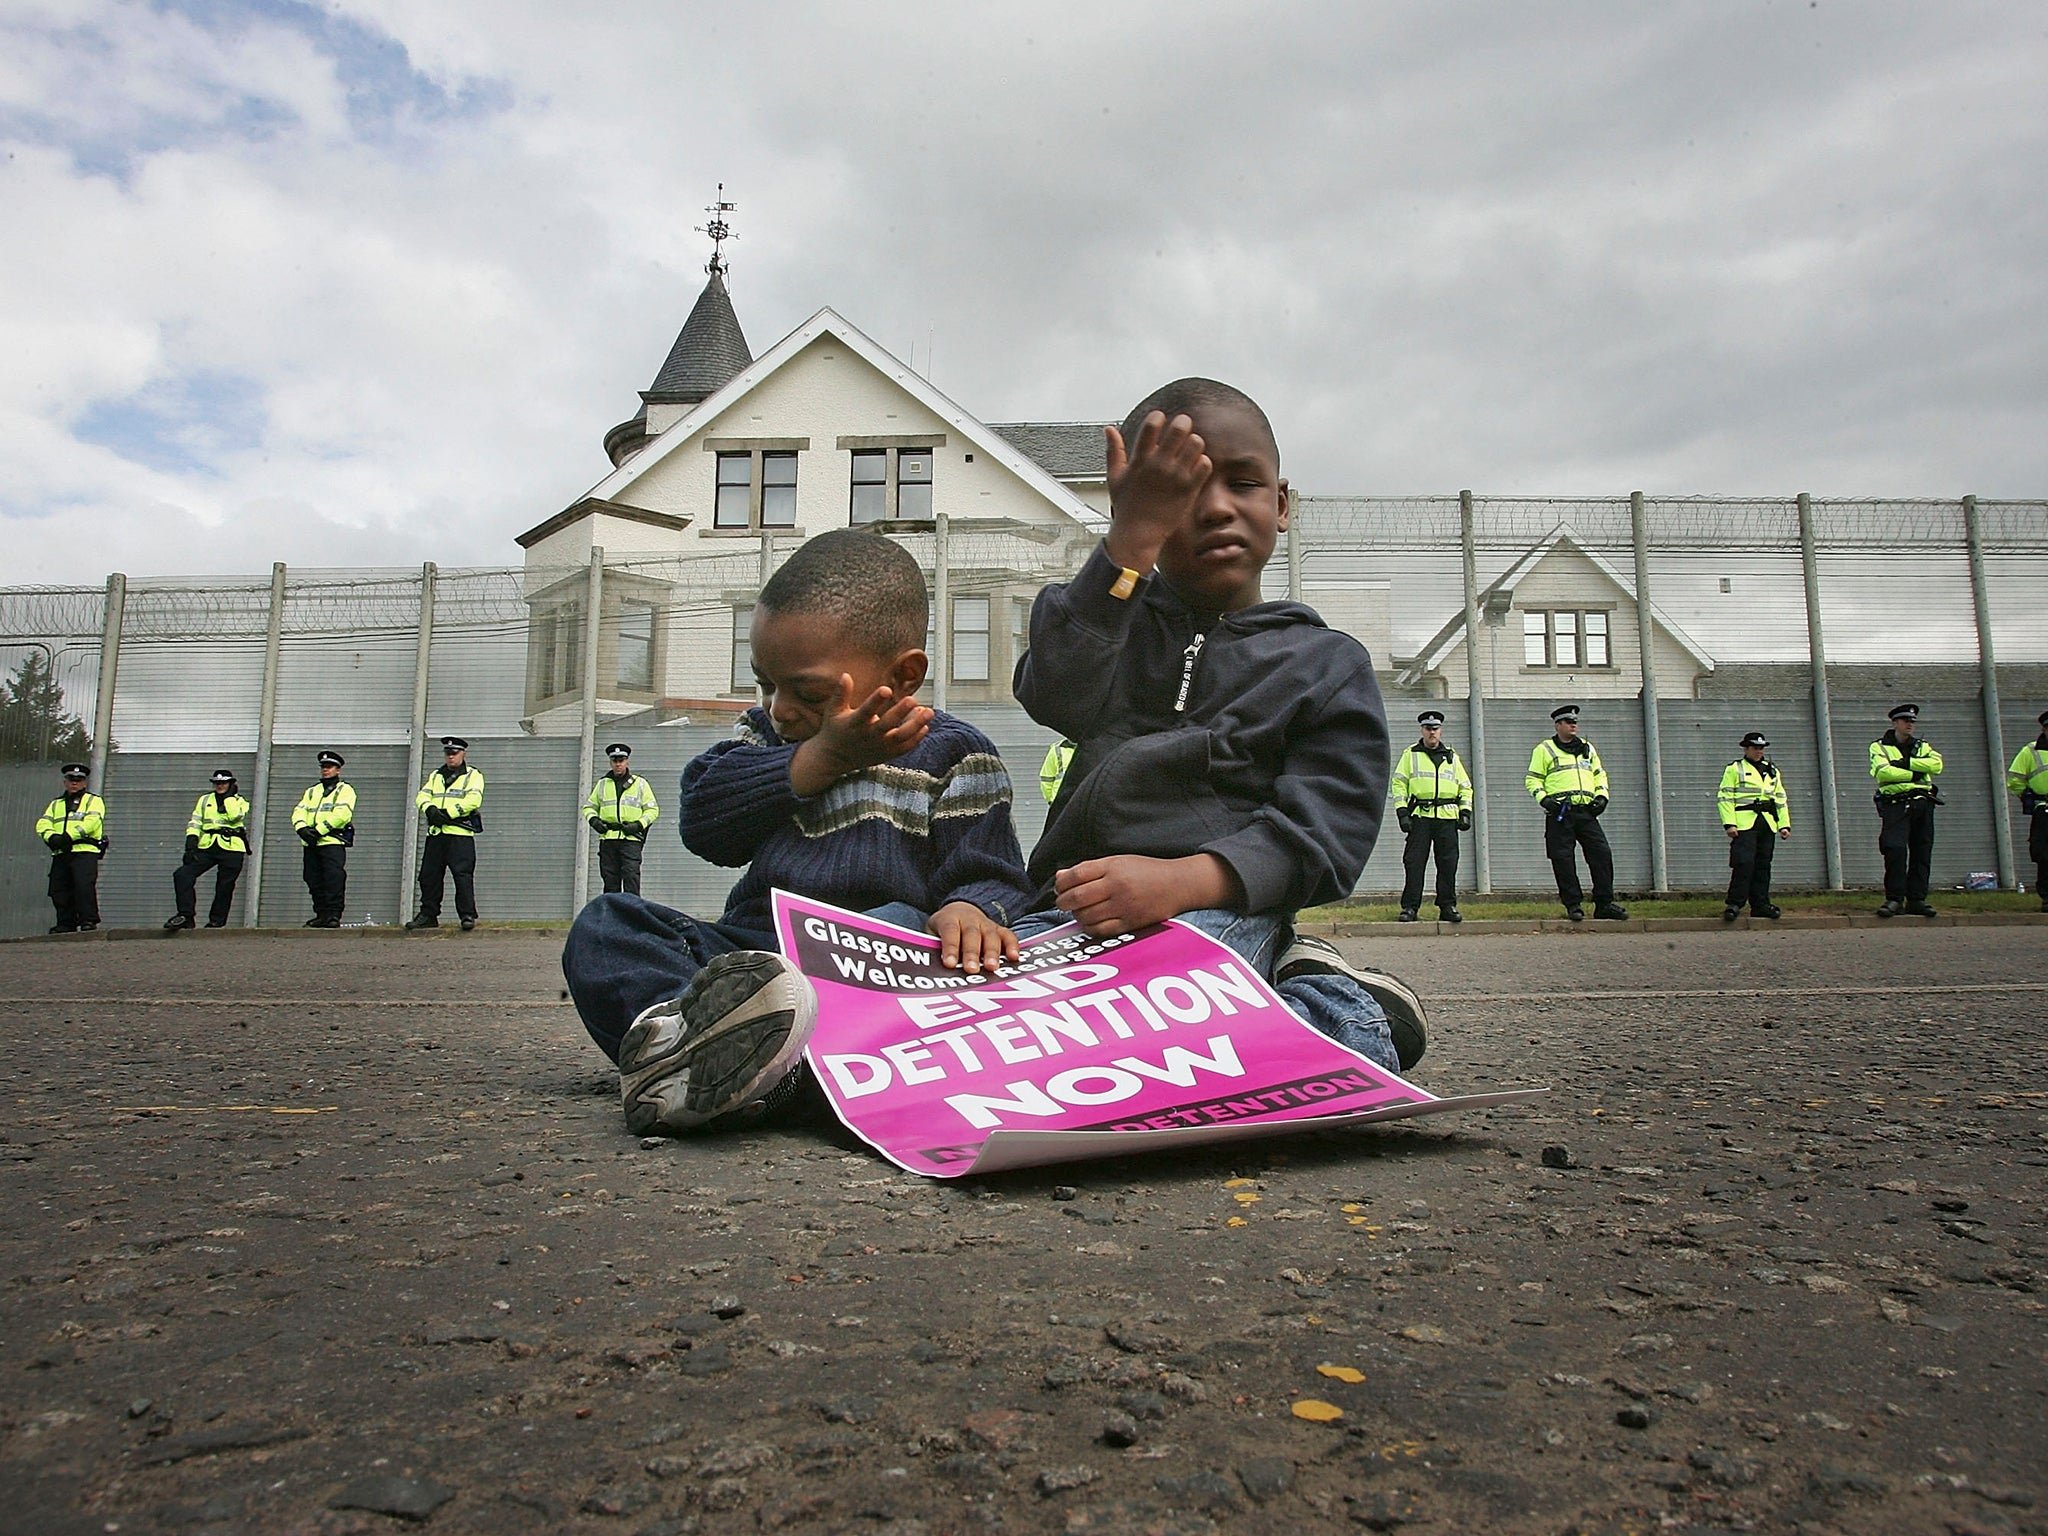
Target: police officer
[325,819]
[1053,771]
[2028,778]
[1756,814]
[620,810]
[1432,798]
[452,800]
[74,828]
[216,838]
[1905,769]
[1567,780]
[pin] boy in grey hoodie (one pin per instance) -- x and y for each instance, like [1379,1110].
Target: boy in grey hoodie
[1232,754]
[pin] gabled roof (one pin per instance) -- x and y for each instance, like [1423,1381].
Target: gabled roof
[1440,645]
[1066,450]
[617,485]
[709,350]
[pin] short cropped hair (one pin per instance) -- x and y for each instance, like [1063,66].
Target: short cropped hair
[1186,397]
[867,581]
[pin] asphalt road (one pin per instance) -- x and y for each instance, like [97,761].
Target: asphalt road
[297,1225]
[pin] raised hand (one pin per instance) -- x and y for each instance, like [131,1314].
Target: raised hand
[1153,483]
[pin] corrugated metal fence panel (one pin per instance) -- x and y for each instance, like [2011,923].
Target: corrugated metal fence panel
[383,801]
[189,696]
[1962,827]
[149,797]
[25,788]
[1700,739]
[342,688]
[1614,726]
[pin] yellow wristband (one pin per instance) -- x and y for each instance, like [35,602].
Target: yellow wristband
[1125,584]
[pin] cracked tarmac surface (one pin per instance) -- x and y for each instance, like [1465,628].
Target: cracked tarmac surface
[327,1234]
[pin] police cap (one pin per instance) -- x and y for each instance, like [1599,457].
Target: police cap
[1904,712]
[223,776]
[2041,718]
[1755,739]
[1430,717]
[331,760]
[617,751]
[76,770]
[454,744]
[1566,712]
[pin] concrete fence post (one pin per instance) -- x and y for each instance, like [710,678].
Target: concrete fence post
[416,749]
[593,619]
[942,617]
[1475,702]
[266,724]
[1994,728]
[110,671]
[1823,719]
[1646,644]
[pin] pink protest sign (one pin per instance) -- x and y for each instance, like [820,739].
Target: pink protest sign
[1086,1048]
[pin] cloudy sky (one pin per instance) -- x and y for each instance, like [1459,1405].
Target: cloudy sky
[365,282]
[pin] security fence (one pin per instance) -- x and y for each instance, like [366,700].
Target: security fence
[1676,624]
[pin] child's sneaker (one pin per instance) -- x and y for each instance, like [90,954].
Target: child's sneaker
[725,1045]
[1308,955]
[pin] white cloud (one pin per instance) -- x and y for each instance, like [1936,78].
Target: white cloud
[423,256]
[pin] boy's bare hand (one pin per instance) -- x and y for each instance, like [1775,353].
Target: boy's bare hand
[856,736]
[1153,483]
[971,940]
[1128,891]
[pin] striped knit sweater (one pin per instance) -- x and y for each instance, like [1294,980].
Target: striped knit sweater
[927,828]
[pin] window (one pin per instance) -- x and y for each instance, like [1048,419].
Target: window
[870,486]
[743,650]
[1020,628]
[756,489]
[970,639]
[1566,637]
[636,646]
[561,650]
[891,484]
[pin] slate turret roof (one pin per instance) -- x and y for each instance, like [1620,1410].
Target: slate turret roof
[710,351]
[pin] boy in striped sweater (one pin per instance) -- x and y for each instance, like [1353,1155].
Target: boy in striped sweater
[838,786]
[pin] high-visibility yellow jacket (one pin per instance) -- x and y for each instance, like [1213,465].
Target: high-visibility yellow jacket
[1430,786]
[461,800]
[220,821]
[627,812]
[1579,777]
[2028,774]
[1053,771]
[1750,790]
[84,823]
[329,809]
[1903,773]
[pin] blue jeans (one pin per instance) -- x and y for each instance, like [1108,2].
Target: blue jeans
[626,954]
[1332,1005]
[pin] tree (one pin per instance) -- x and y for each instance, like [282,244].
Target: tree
[34,725]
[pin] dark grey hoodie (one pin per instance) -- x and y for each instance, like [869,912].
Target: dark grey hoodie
[1266,744]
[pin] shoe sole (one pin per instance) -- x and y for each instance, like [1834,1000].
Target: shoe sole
[735,1033]
[1406,1021]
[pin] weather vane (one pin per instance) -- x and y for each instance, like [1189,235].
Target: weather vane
[719,231]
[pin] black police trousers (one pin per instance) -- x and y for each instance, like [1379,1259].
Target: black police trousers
[2037,850]
[442,856]
[1749,867]
[325,868]
[227,867]
[75,889]
[1427,835]
[1906,839]
[1562,835]
[618,864]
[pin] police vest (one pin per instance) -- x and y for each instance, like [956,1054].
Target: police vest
[1554,771]
[85,823]
[330,810]
[1437,790]
[1748,792]
[220,822]
[626,813]
[462,802]
[2028,774]
[1053,771]
[1903,773]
